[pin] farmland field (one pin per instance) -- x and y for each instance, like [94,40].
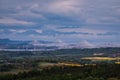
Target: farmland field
[66,64]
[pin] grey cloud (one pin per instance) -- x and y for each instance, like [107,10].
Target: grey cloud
[94,16]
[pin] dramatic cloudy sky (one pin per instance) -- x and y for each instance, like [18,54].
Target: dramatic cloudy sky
[66,20]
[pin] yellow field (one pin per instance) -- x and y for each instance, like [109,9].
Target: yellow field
[45,64]
[90,64]
[100,58]
[117,62]
[70,64]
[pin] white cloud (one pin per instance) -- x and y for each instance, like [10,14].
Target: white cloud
[39,31]
[65,7]
[26,12]
[36,5]
[61,7]
[21,31]
[12,30]
[17,31]
[83,30]
[90,11]
[14,21]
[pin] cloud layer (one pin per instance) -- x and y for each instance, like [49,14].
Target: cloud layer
[67,20]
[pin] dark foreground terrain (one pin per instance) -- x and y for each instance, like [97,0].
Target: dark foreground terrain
[98,72]
[66,64]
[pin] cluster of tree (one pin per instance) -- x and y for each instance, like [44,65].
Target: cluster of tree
[6,67]
[98,72]
[67,52]
[87,52]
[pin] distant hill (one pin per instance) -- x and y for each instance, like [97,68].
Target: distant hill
[14,44]
[41,44]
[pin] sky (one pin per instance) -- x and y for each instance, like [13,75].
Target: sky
[70,21]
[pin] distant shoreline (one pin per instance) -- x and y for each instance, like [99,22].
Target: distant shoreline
[26,49]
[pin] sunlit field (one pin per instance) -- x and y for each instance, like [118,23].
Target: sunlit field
[101,58]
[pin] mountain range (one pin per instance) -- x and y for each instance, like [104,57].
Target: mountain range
[40,44]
